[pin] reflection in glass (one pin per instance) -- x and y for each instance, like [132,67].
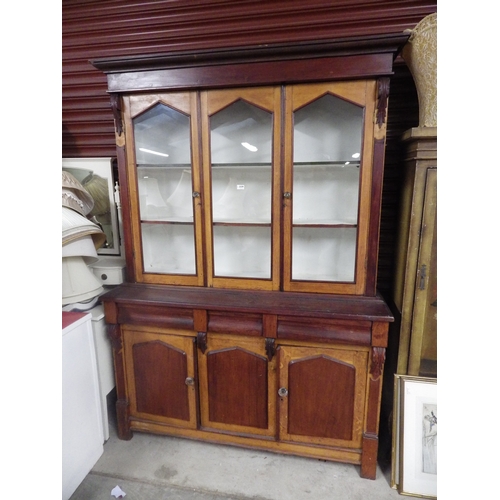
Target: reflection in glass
[162,137]
[241,133]
[164,183]
[326,173]
[241,158]
[327,130]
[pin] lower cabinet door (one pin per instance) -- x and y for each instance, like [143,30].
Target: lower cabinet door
[322,395]
[160,376]
[237,386]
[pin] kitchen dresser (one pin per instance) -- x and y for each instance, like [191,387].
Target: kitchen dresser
[251,184]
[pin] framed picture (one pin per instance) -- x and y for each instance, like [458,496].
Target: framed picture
[414,450]
[96,176]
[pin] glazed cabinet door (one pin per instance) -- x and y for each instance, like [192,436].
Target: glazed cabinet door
[321,395]
[327,186]
[160,377]
[241,161]
[237,386]
[163,173]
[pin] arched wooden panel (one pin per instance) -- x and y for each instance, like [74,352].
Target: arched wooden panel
[161,392]
[237,399]
[321,398]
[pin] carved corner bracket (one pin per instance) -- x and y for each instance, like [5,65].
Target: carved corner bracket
[114,335]
[378,359]
[383,96]
[116,106]
[270,348]
[201,340]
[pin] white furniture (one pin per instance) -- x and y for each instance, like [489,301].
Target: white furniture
[105,368]
[82,430]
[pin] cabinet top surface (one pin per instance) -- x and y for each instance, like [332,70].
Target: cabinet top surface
[264,302]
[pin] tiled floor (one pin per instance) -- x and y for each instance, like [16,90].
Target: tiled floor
[150,467]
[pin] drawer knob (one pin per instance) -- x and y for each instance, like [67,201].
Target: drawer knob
[282,392]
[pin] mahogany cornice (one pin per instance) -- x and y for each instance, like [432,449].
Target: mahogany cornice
[263,52]
[354,57]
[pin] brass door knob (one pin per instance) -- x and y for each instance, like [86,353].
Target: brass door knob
[282,392]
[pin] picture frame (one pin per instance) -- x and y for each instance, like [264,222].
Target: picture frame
[414,450]
[96,176]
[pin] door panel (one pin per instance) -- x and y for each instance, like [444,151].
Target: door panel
[163,167]
[322,395]
[160,377]
[328,160]
[241,162]
[237,386]
[314,409]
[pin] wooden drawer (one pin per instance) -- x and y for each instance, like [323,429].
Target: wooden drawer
[318,330]
[235,323]
[150,315]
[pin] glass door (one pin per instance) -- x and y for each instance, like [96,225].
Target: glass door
[165,174]
[241,163]
[325,216]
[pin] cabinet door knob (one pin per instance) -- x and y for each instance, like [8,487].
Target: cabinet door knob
[196,194]
[287,195]
[189,381]
[282,392]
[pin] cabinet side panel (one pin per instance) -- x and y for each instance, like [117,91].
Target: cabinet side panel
[157,393]
[240,400]
[324,407]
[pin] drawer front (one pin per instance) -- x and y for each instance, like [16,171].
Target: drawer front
[315,330]
[236,324]
[163,317]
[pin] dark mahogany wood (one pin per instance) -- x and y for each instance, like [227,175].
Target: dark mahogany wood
[339,331]
[321,398]
[375,208]
[250,66]
[383,96]
[237,388]
[122,404]
[369,456]
[242,324]
[160,372]
[277,52]
[131,297]
[169,317]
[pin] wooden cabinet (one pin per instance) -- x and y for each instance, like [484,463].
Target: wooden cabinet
[415,281]
[251,182]
[289,210]
[160,374]
[322,395]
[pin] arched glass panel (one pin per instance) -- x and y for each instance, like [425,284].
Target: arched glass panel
[241,161]
[163,157]
[327,145]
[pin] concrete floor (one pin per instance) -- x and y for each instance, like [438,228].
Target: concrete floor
[150,467]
